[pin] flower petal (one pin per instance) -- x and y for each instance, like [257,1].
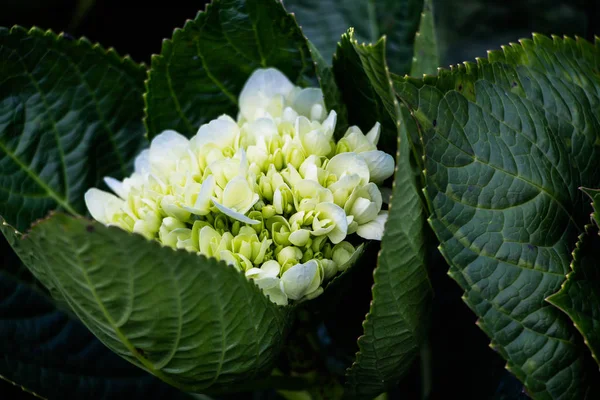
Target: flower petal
[142,162]
[116,186]
[221,132]
[271,268]
[381,165]
[300,237]
[102,205]
[373,134]
[166,149]
[296,281]
[304,100]
[260,89]
[349,163]
[373,230]
[234,214]
[276,295]
[335,213]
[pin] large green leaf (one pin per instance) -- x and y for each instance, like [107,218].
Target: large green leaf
[49,353]
[397,321]
[70,113]
[202,69]
[579,296]
[508,141]
[194,322]
[426,59]
[323,21]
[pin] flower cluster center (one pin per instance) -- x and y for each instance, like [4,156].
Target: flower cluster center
[271,193]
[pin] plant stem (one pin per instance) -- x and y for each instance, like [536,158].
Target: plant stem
[372,14]
[426,371]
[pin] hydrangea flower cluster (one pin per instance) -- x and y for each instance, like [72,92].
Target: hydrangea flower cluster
[271,194]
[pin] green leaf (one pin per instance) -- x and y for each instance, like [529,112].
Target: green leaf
[595,196]
[323,21]
[70,114]
[49,353]
[194,322]
[426,59]
[398,318]
[331,93]
[202,69]
[508,141]
[365,88]
[579,296]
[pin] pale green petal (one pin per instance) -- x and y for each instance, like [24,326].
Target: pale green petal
[166,149]
[262,127]
[222,132]
[374,133]
[336,214]
[142,162]
[116,186]
[271,268]
[234,214]
[373,230]
[230,258]
[300,237]
[329,123]
[381,165]
[342,252]
[238,195]
[276,295]
[296,281]
[207,237]
[267,282]
[203,201]
[102,205]
[304,100]
[329,268]
[347,164]
[260,90]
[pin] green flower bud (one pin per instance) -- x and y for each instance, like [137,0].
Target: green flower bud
[268,212]
[327,252]
[330,268]
[301,280]
[235,227]
[265,188]
[288,257]
[318,243]
[300,237]
[308,255]
[278,159]
[341,253]
[221,223]
[257,216]
[171,229]
[280,230]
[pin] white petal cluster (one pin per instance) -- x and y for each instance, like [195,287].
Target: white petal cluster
[271,194]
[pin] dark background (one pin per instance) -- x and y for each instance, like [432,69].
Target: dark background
[463,364]
[466,28]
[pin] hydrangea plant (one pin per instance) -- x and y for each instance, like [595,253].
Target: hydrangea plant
[207,216]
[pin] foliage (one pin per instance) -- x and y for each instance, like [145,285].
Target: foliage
[492,154]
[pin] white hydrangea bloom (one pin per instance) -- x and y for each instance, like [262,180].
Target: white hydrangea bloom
[271,193]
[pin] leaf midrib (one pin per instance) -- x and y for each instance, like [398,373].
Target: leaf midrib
[149,365]
[51,193]
[497,168]
[54,129]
